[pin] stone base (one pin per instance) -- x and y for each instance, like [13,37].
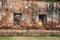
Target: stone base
[17,32]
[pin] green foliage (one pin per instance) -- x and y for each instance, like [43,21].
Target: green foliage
[46,0]
[52,0]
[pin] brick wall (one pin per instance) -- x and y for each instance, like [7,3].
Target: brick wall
[18,6]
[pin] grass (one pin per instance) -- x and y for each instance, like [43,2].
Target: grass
[30,38]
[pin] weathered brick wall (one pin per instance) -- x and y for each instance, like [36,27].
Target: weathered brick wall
[10,18]
[18,6]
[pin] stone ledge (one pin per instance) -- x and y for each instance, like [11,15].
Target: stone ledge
[28,32]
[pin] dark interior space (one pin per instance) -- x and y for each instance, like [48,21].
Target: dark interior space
[43,18]
[17,17]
